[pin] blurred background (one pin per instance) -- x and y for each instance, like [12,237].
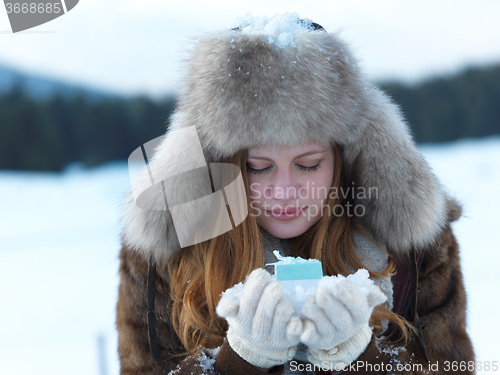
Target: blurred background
[80,93]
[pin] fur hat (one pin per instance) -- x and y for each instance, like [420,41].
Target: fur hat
[282,82]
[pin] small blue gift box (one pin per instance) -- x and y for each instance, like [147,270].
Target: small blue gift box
[299,277]
[290,268]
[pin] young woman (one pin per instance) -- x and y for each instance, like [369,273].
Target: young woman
[327,169]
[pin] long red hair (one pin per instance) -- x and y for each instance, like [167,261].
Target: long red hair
[201,272]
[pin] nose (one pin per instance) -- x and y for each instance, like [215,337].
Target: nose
[283,185]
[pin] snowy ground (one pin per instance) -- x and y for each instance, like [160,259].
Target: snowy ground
[59,241]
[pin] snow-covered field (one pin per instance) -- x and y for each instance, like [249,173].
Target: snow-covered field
[59,241]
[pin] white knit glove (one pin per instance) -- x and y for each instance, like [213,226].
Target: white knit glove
[263,328]
[336,327]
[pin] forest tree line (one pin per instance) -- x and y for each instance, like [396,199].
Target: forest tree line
[49,134]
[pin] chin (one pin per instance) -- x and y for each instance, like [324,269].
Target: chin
[286,229]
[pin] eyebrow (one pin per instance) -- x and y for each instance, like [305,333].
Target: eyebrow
[299,156]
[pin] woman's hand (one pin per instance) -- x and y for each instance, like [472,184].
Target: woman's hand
[263,328]
[336,324]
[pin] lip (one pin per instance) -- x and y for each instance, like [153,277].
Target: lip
[289,214]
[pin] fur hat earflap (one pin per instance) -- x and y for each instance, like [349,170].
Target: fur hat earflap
[279,82]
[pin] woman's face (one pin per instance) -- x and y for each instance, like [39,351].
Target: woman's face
[289,186]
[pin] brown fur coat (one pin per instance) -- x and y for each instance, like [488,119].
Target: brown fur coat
[441,306]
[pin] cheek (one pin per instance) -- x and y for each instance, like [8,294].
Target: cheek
[255,189]
[323,184]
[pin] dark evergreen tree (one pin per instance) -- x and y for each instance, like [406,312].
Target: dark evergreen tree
[46,135]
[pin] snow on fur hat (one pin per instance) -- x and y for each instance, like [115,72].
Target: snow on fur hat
[278,82]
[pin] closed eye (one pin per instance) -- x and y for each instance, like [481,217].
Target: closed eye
[257,171]
[308,169]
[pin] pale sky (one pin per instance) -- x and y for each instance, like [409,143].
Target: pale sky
[136,46]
